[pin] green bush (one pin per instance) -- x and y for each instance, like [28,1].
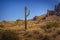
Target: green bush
[17,22]
[10,35]
[52,24]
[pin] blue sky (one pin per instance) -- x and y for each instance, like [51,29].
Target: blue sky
[14,9]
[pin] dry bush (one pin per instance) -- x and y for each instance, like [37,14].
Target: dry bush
[33,35]
[48,27]
[10,35]
[58,32]
[1,25]
[46,37]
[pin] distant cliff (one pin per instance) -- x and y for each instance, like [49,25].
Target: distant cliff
[52,15]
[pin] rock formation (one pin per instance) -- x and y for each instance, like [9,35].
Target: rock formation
[52,15]
[56,11]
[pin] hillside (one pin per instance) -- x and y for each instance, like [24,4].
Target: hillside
[45,27]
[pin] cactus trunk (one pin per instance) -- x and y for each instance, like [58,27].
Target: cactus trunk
[25,19]
[26,15]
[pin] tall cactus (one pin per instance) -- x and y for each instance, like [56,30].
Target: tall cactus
[26,15]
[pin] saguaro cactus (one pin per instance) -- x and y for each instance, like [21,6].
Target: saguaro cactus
[26,15]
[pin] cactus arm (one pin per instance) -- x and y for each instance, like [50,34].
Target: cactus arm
[28,13]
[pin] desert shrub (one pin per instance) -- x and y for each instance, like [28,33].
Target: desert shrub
[50,25]
[46,28]
[1,25]
[29,35]
[10,35]
[46,37]
[18,22]
[54,35]
[36,32]
[39,36]
[58,32]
